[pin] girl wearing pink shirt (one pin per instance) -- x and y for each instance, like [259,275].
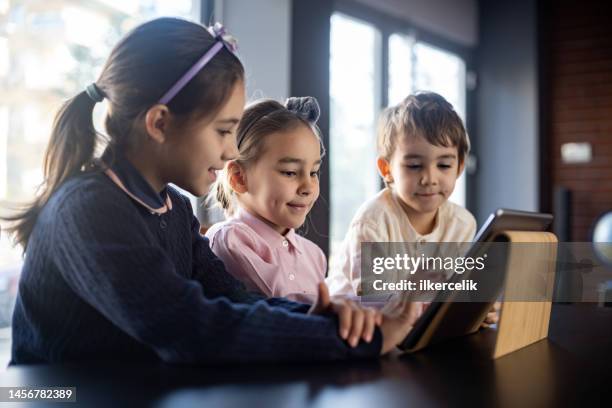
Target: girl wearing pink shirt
[267,193]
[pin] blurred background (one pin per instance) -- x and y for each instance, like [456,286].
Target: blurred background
[531,78]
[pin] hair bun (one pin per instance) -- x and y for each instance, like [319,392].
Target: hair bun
[306,107]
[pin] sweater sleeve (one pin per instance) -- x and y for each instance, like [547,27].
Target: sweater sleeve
[109,260]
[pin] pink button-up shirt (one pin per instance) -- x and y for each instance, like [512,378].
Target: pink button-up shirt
[280,266]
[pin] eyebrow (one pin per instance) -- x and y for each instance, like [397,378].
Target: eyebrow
[295,160]
[232,121]
[418,156]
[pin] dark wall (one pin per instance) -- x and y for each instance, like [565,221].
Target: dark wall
[506,119]
[577,103]
[310,77]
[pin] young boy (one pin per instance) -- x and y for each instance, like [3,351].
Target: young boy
[422,147]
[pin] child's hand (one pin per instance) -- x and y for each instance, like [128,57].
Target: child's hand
[355,321]
[492,316]
[398,318]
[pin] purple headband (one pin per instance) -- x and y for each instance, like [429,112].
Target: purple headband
[223,39]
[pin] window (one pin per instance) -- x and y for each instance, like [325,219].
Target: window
[401,76]
[355,102]
[356,85]
[49,51]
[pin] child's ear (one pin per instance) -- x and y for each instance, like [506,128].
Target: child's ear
[237,177]
[384,169]
[156,122]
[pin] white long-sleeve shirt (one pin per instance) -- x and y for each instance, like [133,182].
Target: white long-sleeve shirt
[382,219]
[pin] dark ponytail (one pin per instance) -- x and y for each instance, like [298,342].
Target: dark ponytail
[72,143]
[139,70]
[71,146]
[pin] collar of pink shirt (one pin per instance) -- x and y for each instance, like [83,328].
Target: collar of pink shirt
[267,232]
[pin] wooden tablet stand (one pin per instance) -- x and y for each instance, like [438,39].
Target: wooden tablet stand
[528,267]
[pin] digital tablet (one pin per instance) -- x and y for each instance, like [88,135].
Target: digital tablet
[513,220]
[446,319]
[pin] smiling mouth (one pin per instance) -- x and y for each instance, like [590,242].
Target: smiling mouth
[298,206]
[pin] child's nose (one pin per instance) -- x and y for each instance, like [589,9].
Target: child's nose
[231,149]
[306,186]
[429,177]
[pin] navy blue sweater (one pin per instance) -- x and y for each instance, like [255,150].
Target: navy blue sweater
[105,278]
